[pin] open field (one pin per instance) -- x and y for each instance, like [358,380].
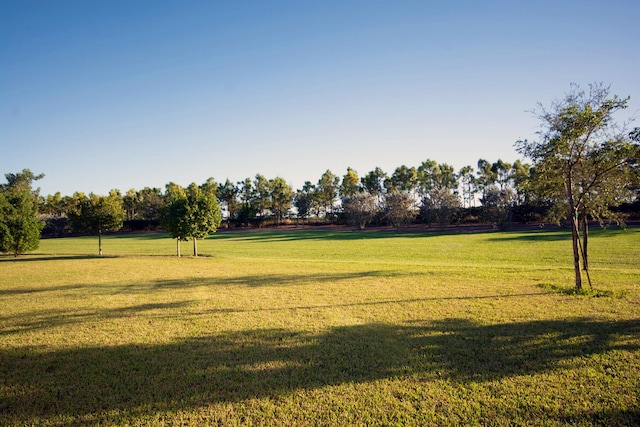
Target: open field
[321,328]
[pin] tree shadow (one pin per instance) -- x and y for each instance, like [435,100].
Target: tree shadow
[533,236]
[39,257]
[46,319]
[139,379]
[326,235]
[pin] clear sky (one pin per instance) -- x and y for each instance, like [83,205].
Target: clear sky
[126,94]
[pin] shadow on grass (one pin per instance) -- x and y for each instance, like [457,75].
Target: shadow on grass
[326,235]
[37,257]
[46,319]
[533,236]
[77,384]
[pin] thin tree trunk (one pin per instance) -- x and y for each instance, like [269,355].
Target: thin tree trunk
[195,247]
[178,246]
[585,242]
[575,237]
[99,242]
[584,247]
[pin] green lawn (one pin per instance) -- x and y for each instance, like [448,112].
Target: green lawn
[321,328]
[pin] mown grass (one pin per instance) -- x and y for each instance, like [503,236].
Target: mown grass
[321,328]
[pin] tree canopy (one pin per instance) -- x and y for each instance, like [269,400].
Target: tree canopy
[583,162]
[96,214]
[20,226]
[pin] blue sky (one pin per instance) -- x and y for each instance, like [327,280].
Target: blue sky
[127,94]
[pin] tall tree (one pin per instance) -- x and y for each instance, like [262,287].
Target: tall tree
[228,194]
[96,214]
[20,226]
[487,176]
[374,183]
[584,161]
[438,185]
[261,196]
[246,210]
[281,195]
[350,183]
[304,200]
[468,186]
[327,192]
[404,178]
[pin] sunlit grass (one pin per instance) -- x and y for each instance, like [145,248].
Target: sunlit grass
[319,327]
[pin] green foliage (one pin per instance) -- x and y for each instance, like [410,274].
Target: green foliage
[192,212]
[327,192]
[96,214]
[20,226]
[584,163]
[281,196]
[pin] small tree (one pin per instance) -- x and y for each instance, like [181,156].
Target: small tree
[360,208]
[203,211]
[191,213]
[173,214]
[20,226]
[497,206]
[96,215]
[398,208]
[584,162]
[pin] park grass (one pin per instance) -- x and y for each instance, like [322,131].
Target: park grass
[322,328]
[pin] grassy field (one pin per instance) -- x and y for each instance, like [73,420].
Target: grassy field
[321,328]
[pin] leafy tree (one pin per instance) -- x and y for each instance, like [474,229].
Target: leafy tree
[261,195]
[228,194]
[502,173]
[130,202]
[398,208]
[360,208]
[281,196]
[584,161]
[520,173]
[20,226]
[96,214]
[247,210]
[350,183]
[327,192]
[487,176]
[403,178]
[203,211]
[174,214]
[438,184]
[191,213]
[53,205]
[374,183]
[498,206]
[304,200]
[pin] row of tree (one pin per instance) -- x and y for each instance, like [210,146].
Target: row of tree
[583,165]
[432,192]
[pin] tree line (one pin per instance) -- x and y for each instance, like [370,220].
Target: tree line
[432,193]
[583,166]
